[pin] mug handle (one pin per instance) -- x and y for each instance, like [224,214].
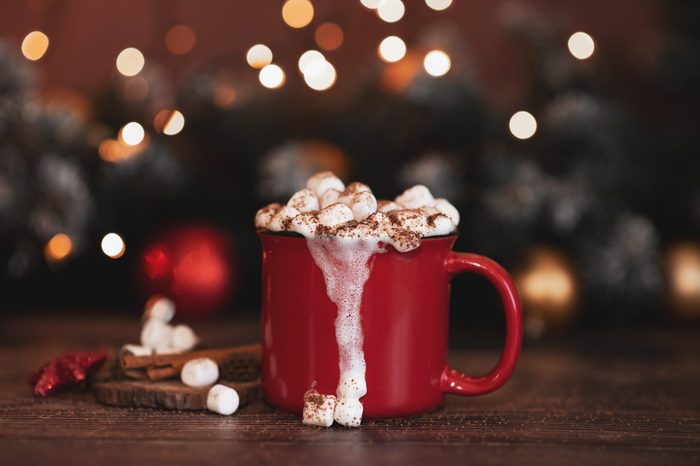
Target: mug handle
[453,381]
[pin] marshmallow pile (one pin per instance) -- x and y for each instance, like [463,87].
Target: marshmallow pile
[326,207]
[344,407]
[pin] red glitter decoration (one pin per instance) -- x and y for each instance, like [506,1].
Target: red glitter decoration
[65,371]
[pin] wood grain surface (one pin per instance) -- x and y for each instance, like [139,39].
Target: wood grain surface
[606,397]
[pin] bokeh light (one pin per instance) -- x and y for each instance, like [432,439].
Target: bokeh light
[180,39]
[113,245]
[371,4]
[297,13]
[581,45]
[329,36]
[683,277]
[132,134]
[438,5]
[271,76]
[130,61]
[259,56]
[35,45]
[58,247]
[312,62]
[392,49]
[321,81]
[391,10]
[169,122]
[522,125]
[437,63]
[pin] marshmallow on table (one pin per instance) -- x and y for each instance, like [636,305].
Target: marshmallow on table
[329,196]
[351,385]
[183,338]
[335,214]
[282,221]
[304,200]
[137,350]
[264,216]
[348,412]
[199,372]
[318,409]
[222,399]
[363,204]
[161,308]
[443,206]
[168,350]
[156,334]
[417,196]
[323,181]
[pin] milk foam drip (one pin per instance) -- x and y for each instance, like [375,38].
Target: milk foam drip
[344,227]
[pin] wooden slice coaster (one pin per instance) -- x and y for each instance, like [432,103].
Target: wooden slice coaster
[168,394]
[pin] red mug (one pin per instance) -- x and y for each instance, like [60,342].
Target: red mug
[404,314]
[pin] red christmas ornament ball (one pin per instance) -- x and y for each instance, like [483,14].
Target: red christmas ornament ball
[193,266]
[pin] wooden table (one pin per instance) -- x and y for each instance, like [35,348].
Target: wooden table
[597,398]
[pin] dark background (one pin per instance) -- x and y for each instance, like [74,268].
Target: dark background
[597,215]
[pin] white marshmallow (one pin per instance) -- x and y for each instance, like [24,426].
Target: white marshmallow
[323,181]
[199,372]
[304,200]
[354,188]
[387,206]
[363,204]
[348,412]
[404,240]
[351,385]
[335,214]
[183,338]
[168,350]
[440,224]
[155,334]
[329,196]
[223,400]
[318,409]
[137,350]
[160,308]
[417,196]
[265,215]
[305,224]
[414,220]
[448,209]
[282,221]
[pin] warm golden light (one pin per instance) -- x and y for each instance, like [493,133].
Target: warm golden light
[58,247]
[224,95]
[683,271]
[391,10]
[130,61]
[132,134]
[297,13]
[371,4]
[329,36]
[392,49]
[522,125]
[169,122]
[581,45]
[438,5]
[312,62]
[113,245]
[437,63]
[321,81]
[35,45]
[180,39]
[259,56]
[271,76]
[115,151]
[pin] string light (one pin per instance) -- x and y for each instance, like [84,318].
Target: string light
[297,13]
[581,45]
[259,56]
[58,247]
[180,39]
[169,122]
[130,61]
[437,63]
[391,11]
[132,134]
[329,36]
[312,62]
[113,245]
[271,76]
[35,45]
[371,4]
[392,49]
[522,125]
[321,81]
[438,5]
